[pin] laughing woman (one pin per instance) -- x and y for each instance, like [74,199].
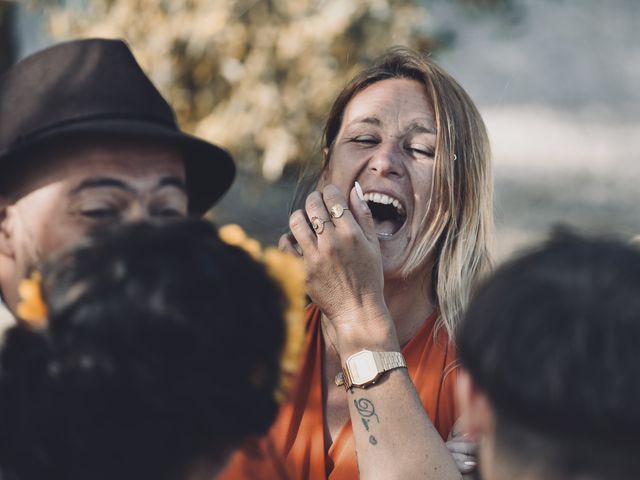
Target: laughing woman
[393,239]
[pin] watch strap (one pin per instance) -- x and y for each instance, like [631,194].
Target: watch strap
[391,360]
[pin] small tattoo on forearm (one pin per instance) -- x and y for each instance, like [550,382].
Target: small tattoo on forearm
[365,422]
[367,411]
[365,408]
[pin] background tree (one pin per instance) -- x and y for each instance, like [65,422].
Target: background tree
[256,76]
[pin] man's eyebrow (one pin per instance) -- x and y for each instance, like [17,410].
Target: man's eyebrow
[101,182]
[176,182]
[110,182]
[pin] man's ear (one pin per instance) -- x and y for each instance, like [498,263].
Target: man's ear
[6,246]
[476,412]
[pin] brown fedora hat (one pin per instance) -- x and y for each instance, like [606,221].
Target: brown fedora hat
[95,88]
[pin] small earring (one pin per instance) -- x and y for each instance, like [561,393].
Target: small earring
[455,157]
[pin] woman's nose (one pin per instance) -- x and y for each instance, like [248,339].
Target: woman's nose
[386,161]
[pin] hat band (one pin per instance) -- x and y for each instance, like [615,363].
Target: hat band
[34,135]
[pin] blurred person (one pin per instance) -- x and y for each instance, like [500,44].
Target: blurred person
[86,140]
[158,353]
[551,378]
[390,264]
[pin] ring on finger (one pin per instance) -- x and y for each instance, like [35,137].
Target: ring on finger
[318,224]
[337,210]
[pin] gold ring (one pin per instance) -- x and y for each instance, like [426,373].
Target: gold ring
[318,224]
[337,210]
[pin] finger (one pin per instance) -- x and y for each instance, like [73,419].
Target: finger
[464,463]
[458,429]
[302,232]
[318,214]
[288,244]
[337,205]
[362,214]
[462,457]
[462,446]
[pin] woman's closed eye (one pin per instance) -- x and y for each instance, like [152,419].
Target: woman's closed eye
[365,140]
[421,150]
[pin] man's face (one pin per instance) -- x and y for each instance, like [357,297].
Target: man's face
[78,189]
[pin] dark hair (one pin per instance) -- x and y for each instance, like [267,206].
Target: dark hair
[553,339]
[162,350]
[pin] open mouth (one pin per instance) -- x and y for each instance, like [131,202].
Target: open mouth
[388,213]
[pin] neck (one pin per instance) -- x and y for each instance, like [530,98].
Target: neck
[410,303]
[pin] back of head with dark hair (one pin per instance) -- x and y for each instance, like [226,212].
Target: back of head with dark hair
[162,350]
[553,339]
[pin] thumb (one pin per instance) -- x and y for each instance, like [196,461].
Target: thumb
[362,213]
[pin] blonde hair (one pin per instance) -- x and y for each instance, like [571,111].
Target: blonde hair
[458,229]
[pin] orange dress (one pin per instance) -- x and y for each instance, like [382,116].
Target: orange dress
[295,447]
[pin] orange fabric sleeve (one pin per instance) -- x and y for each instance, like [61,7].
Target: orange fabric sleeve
[295,447]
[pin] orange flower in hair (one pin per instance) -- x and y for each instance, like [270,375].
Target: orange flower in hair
[32,309]
[288,272]
[234,235]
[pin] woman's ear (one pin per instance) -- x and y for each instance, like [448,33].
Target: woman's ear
[476,412]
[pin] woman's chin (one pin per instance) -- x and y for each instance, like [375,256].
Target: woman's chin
[392,265]
[395,252]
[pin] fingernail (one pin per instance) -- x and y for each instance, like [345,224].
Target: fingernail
[359,191]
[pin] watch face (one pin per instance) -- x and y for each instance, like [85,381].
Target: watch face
[362,368]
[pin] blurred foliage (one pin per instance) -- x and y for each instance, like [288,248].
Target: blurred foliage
[492,5]
[256,76]
[510,11]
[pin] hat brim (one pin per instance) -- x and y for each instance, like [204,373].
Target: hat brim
[210,170]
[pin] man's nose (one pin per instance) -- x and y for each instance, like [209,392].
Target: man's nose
[137,212]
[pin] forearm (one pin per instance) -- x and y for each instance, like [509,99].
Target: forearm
[393,435]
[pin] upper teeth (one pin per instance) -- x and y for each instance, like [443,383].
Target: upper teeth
[384,199]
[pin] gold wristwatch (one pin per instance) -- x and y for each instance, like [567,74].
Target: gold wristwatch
[365,368]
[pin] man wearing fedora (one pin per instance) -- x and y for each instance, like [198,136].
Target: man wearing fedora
[87,141]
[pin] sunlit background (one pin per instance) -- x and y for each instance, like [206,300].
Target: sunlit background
[557,81]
